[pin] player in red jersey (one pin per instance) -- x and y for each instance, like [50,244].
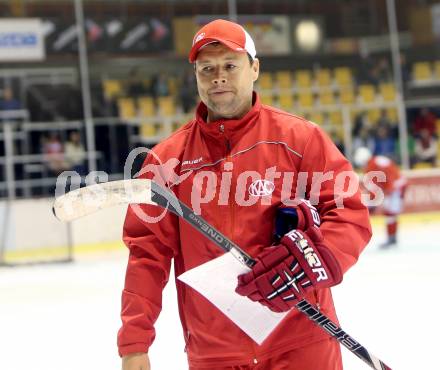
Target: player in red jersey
[233,163]
[393,188]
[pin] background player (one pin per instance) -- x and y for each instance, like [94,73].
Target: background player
[393,188]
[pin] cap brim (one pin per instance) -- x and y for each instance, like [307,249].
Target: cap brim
[197,46]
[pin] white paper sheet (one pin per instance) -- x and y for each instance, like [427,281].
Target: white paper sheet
[216,280]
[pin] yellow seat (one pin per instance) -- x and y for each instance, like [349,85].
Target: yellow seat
[422,166]
[392,114]
[166,106]
[173,85]
[148,129]
[346,95]
[323,77]
[266,99]
[303,78]
[437,123]
[286,101]
[336,118]
[111,88]
[343,76]
[146,106]
[367,93]
[437,70]
[326,98]
[373,115]
[265,81]
[284,79]
[338,130]
[317,117]
[306,100]
[388,91]
[422,71]
[126,108]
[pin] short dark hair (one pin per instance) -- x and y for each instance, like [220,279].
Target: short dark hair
[251,60]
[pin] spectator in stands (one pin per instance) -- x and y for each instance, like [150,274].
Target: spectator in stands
[384,143]
[8,101]
[188,91]
[383,70]
[54,154]
[385,121]
[425,148]
[363,139]
[366,66]
[361,122]
[425,120]
[75,154]
[135,84]
[362,132]
[160,85]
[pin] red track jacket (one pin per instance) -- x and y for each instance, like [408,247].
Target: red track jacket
[209,158]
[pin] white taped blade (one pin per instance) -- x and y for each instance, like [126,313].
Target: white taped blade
[85,201]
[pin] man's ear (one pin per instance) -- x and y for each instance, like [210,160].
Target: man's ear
[255,69]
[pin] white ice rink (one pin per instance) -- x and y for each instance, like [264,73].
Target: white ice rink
[65,317]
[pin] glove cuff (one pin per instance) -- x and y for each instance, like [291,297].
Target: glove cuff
[314,257]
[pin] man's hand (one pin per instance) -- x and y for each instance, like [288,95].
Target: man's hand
[136,361]
[286,272]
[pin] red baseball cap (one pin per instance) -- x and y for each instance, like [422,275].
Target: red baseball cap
[228,33]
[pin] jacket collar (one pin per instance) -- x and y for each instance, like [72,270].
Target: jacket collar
[228,128]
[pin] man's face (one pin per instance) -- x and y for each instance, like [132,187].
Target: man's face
[225,81]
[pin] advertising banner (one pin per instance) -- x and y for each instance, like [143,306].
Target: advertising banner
[21,39]
[422,193]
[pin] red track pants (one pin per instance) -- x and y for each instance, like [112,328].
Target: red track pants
[323,355]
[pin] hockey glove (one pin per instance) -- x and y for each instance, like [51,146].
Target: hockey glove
[286,272]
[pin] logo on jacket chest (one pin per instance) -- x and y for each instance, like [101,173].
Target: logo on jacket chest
[261,188]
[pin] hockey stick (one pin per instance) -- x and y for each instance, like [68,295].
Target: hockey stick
[74,205]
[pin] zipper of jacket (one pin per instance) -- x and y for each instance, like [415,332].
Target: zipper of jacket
[228,159]
[232,213]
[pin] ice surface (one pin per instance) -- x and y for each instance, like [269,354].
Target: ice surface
[66,316]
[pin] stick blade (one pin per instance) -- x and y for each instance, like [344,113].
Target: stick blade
[90,199]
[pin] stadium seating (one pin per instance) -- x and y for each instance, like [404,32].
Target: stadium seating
[112,89]
[346,95]
[387,91]
[343,76]
[146,106]
[437,70]
[323,77]
[166,105]
[317,117]
[286,101]
[127,108]
[267,98]
[284,80]
[303,79]
[326,98]
[367,93]
[306,100]
[265,81]
[422,71]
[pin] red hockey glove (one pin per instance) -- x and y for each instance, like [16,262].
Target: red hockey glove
[286,272]
[308,215]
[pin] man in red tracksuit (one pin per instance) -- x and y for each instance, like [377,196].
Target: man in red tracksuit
[236,163]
